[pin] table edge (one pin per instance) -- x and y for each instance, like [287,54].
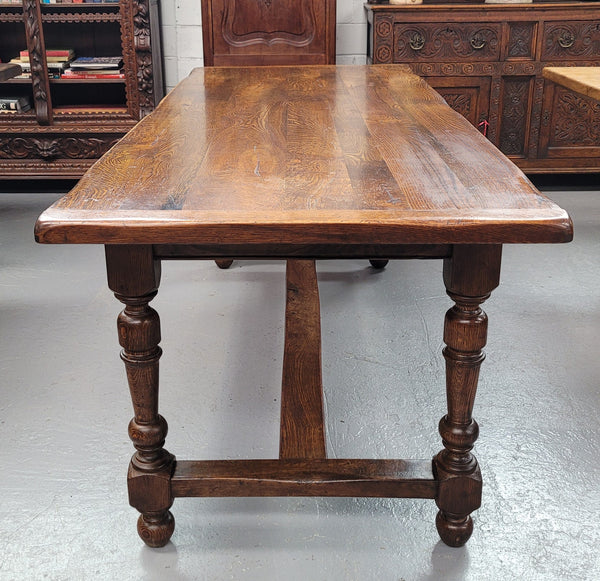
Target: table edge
[549,225]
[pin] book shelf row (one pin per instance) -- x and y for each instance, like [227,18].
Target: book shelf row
[20,2]
[62,65]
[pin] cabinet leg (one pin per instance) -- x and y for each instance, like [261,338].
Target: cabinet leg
[134,275]
[469,275]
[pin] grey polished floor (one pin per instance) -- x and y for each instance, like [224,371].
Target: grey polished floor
[64,410]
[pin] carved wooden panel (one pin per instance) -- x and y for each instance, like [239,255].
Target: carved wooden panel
[575,121]
[384,40]
[536,117]
[520,40]
[50,147]
[238,32]
[468,96]
[516,104]
[37,58]
[442,41]
[571,40]
[144,89]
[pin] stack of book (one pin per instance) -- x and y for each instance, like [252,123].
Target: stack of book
[67,1]
[95,67]
[14,104]
[57,61]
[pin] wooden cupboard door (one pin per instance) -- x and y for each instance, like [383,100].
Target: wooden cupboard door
[469,96]
[570,126]
[268,32]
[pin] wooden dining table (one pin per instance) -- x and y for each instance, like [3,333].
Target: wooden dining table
[304,163]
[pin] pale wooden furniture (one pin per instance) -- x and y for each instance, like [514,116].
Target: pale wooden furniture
[572,98]
[583,80]
[73,122]
[304,163]
[486,60]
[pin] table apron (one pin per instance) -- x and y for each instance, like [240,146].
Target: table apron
[306,251]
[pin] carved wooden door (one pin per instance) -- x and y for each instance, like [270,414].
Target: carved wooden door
[268,32]
[570,125]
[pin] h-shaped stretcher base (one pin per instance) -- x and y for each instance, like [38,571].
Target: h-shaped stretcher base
[452,478]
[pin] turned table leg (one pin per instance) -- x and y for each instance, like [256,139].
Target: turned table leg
[470,274]
[133,275]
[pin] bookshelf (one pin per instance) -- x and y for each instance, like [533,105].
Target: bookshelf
[72,122]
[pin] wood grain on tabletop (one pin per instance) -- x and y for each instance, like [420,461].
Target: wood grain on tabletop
[321,154]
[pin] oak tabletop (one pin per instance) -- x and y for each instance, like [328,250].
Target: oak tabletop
[306,154]
[584,80]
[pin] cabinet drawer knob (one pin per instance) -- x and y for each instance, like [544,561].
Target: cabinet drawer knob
[566,39]
[478,42]
[417,41]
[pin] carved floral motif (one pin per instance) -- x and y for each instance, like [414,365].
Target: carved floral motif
[454,69]
[577,120]
[384,54]
[49,148]
[571,39]
[536,112]
[520,39]
[514,115]
[460,102]
[446,41]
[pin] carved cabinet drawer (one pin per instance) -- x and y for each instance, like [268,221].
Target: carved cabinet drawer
[447,41]
[571,40]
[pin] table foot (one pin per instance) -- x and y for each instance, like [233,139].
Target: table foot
[378,263]
[155,529]
[224,263]
[454,530]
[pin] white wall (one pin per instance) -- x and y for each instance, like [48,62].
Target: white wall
[181,24]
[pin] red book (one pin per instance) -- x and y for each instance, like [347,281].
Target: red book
[67,52]
[92,75]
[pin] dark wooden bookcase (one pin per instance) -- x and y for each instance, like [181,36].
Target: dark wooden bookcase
[486,60]
[73,122]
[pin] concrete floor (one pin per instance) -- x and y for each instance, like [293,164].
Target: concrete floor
[64,410]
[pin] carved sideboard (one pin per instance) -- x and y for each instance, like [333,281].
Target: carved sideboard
[73,122]
[486,60]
